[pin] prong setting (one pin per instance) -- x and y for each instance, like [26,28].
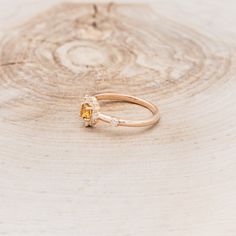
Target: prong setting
[89,111]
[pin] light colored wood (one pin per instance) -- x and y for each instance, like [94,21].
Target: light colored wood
[176,179]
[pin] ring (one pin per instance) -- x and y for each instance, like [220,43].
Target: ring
[90,111]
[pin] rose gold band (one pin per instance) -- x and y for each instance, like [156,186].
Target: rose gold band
[128,98]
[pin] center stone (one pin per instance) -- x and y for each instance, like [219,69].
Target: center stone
[86,112]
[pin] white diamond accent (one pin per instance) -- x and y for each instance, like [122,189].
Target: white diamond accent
[114,122]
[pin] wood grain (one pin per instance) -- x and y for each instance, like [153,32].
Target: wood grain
[58,178]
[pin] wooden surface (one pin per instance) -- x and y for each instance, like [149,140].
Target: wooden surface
[176,179]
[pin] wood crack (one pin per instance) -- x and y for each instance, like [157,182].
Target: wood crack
[12,63]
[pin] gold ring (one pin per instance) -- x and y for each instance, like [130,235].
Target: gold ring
[90,111]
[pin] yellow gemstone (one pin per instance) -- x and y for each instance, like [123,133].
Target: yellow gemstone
[86,112]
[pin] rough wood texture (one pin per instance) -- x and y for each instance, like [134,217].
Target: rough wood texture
[58,178]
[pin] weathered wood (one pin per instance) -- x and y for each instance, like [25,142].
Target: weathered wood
[58,178]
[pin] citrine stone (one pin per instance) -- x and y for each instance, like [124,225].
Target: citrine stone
[86,112]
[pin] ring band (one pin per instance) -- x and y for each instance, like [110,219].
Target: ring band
[90,110]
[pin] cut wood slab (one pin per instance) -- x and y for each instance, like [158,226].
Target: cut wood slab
[59,178]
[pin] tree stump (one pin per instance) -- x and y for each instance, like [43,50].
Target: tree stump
[59,178]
